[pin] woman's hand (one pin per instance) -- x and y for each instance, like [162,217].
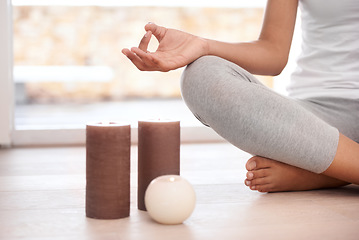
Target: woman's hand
[176,49]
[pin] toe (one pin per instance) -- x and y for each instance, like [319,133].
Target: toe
[261,188]
[264,188]
[257,162]
[260,184]
[250,175]
[251,164]
[260,173]
[260,181]
[247,182]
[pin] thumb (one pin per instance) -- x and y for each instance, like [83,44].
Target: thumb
[158,31]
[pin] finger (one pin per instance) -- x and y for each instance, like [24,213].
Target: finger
[125,51]
[163,66]
[149,64]
[158,31]
[144,56]
[134,59]
[151,61]
[145,41]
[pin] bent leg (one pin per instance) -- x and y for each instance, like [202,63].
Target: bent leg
[254,118]
[267,175]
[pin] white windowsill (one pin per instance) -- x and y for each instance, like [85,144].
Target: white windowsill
[64,124]
[59,137]
[24,74]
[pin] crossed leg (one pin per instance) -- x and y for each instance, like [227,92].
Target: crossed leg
[267,175]
[233,103]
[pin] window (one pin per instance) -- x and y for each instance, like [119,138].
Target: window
[69,70]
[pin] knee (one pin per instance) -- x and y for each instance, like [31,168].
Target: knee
[198,75]
[210,72]
[195,83]
[209,82]
[193,74]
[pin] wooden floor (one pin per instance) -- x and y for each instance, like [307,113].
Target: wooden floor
[42,192]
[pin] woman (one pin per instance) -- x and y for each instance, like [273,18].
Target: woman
[308,140]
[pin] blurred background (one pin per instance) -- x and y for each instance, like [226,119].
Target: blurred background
[69,69]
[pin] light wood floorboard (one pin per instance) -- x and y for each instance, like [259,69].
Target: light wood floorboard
[42,196]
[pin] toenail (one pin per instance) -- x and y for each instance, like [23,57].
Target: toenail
[252,165]
[248,182]
[250,175]
[253,187]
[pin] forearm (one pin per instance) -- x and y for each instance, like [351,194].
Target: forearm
[269,54]
[258,57]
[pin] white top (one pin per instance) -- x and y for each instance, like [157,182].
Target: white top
[329,62]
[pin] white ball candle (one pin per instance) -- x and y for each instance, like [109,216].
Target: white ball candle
[170,199]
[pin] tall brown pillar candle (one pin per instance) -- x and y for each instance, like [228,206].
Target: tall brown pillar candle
[108,170]
[158,153]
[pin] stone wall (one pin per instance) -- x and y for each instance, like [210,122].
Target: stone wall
[87,36]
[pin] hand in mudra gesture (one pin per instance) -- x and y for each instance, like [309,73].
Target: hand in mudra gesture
[176,49]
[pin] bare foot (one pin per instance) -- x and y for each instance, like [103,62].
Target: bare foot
[266,175]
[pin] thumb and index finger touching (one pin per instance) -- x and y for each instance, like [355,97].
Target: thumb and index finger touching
[158,31]
[151,29]
[139,54]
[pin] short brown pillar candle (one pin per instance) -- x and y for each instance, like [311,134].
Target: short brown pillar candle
[158,153]
[108,170]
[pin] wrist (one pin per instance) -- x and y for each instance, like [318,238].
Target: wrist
[205,46]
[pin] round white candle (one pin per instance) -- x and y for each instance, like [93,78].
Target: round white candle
[170,199]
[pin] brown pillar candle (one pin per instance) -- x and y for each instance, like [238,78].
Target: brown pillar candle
[158,153]
[108,170]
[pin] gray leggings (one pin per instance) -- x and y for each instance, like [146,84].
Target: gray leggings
[302,133]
